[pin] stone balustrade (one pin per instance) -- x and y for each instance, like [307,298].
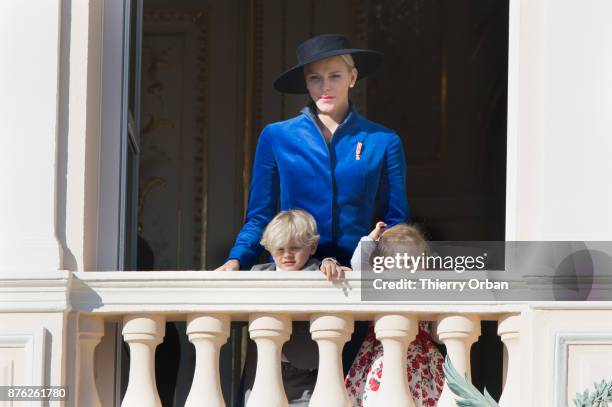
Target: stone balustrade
[269,301]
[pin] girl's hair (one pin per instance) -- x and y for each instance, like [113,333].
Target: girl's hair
[401,238]
[296,226]
[348,60]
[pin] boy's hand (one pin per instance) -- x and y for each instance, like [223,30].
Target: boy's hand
[230,265]
[378,230]
[332,269]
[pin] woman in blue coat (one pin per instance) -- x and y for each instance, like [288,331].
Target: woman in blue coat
[345,170]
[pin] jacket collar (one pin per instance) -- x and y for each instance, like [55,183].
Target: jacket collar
[352,116]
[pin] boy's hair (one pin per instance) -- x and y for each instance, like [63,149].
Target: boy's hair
[401,238]
[294,225]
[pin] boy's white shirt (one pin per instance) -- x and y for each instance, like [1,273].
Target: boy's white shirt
[357,254]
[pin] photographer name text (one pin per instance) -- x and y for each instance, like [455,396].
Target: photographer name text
[439,284]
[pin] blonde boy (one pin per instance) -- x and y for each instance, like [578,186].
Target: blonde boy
[291,238]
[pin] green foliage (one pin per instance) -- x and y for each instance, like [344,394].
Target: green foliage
[471,397]
[600,397]
[459,385]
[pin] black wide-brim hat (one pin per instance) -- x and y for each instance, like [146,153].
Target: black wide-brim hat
[321,47]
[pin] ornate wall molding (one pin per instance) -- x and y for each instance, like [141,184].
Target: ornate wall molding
[253,92]
[198,21]
[28,352]
[563,341]
[358,23]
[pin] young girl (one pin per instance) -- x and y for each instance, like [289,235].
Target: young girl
[291,237]
[424,364]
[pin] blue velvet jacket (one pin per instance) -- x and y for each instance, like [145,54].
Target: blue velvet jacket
[347,185]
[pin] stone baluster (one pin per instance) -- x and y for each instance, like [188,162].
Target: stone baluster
[91,331]
[458,333]
[142,333]
[331,333]
[207,333]
[269,333]
[395,332]
[509,329]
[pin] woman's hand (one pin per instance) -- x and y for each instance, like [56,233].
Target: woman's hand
[378,231]
[230,265]
[332,269]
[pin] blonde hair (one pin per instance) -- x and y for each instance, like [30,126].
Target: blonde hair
[296,226]
[348,60]
[401,238]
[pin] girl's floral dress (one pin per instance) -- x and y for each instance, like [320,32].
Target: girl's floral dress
[424,369]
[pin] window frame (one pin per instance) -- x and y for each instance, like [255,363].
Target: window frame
[118,184]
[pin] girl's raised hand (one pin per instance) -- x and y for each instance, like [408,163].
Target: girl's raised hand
[378,230]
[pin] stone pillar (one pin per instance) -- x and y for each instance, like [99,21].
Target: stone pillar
[509,329]
[91,331]
[269,333]
[142,333]
[458,332]
[395,332]
[207,333]
[331,333]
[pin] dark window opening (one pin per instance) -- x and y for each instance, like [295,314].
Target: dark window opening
[206,68]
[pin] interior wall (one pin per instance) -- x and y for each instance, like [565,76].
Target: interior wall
[443,88]
[447,101]
[284,25]
[222,131]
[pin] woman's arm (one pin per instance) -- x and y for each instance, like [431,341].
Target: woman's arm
[392,193]
[263,198]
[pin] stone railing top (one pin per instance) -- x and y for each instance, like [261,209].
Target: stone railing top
[34,291]
[239,293]
[244,292]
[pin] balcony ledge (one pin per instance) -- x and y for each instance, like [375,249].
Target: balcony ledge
[244,292]
[35,291]
[239,293]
